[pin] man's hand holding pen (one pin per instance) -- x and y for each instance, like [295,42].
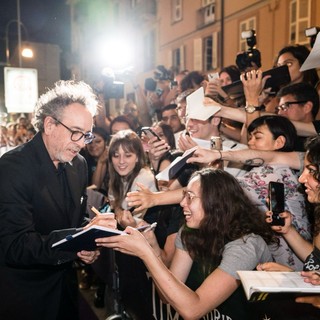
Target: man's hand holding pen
[102,219]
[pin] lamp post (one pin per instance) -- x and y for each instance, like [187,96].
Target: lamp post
[19,24]
[19,32]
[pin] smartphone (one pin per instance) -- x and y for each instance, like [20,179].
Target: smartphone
[276,202]
[149,133]
[213,76]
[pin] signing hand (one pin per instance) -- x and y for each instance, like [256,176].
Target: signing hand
[106,220]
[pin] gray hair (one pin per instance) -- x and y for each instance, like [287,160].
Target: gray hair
[54,101]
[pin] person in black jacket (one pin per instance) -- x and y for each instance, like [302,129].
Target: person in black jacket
[43,199]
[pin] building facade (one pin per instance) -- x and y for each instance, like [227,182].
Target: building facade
[188,34]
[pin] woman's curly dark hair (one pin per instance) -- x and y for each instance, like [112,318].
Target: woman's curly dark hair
[312,147]
[228,215]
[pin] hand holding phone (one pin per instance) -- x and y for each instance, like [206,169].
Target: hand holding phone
[276,202]
[213,76]
[149,133]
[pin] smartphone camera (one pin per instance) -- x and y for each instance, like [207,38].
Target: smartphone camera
[149,133]
[276,202]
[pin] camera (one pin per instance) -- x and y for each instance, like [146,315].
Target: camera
[113,89]
[110,88]
[150,84]
[312,34]
[252,56]
[161,73]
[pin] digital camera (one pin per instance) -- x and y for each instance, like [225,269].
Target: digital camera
[251,57]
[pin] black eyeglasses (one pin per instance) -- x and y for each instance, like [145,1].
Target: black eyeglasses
[77,135]
[285,106]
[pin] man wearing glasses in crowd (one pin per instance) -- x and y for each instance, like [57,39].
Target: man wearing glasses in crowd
[299,102]
[43,199]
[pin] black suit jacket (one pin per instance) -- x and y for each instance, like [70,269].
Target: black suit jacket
[37,282]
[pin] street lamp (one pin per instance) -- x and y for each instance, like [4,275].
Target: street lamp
[26,52]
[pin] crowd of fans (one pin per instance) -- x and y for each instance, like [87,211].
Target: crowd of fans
[16,132]
[222,222]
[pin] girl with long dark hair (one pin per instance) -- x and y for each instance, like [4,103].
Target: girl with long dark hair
[223,232]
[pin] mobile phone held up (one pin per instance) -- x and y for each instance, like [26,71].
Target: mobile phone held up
[149,133]
[276,202]
[213,76]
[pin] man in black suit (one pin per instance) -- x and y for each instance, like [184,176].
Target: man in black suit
[42,194]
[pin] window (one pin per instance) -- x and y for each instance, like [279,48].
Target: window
[149,51]
[300,13]
[207,53]
[249,24]
[206,13]
[176,10]
[176,58]
[209,14]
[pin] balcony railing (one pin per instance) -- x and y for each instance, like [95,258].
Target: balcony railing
[206,16]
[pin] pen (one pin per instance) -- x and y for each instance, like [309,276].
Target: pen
[97,212]
[94,210]
[147,227]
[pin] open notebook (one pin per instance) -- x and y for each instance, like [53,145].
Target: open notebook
[85,239]
[262,285]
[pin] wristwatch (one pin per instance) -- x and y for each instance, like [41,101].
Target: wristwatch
[251,108]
